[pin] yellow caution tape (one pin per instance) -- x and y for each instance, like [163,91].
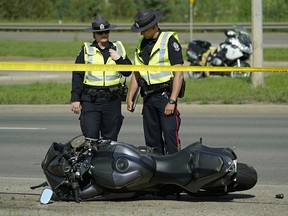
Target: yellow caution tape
[32,66]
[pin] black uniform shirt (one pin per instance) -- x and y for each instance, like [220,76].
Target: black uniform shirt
[78,77]
[174,50]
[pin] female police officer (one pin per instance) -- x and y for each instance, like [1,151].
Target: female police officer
[161,119]
[97,94]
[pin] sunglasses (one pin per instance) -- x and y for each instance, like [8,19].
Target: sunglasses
[103,32]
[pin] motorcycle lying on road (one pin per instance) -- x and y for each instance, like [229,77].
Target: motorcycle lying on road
[235,51]
[85,169]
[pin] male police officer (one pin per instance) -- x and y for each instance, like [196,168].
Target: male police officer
[97,94]
[160,90]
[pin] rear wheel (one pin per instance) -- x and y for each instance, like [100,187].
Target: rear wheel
[195,74]
[236,74]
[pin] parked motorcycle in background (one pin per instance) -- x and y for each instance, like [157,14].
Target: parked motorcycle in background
[235,51]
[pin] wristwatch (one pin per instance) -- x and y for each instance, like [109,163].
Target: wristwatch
[171,101]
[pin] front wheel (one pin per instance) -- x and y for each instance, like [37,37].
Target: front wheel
[195,75]
[235,74]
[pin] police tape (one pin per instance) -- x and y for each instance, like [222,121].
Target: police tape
[56,67]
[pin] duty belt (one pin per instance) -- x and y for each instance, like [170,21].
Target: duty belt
[157,88]
[165,86]
[109,93]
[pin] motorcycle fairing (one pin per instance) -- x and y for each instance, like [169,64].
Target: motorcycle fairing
[245,42]
[232,53]
[52,163]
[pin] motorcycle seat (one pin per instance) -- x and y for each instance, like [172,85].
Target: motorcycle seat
[205,164]
[173,168]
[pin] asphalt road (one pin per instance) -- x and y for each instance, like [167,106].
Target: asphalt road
[259,133]
[270,39]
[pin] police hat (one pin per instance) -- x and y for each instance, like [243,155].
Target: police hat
[145,19]
[99,24]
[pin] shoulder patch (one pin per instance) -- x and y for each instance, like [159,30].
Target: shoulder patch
[176,46]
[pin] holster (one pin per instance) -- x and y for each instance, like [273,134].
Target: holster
[123,91]
[148,90]
[144,86]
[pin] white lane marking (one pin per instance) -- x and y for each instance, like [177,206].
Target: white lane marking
[21,128]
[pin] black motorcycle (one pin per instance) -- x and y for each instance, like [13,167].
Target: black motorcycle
[85,169]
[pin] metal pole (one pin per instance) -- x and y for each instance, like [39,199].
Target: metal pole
[191,22]
[257,41]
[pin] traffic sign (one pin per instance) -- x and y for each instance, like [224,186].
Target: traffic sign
[192,1]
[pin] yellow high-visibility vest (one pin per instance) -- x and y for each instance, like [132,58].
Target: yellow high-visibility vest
[92,55]
[159,56]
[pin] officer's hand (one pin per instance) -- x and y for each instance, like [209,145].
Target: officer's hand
[76,107]
[114,54]
[169,109]
[129,106]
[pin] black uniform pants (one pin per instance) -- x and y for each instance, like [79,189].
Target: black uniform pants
[160,131]
[101,118]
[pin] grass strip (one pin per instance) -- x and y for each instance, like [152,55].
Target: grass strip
[68,50]
[223,90]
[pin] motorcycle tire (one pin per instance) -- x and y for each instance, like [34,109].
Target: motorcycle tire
[195,75]
[237,74]
[246,178]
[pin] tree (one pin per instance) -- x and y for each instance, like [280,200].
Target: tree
[124,10]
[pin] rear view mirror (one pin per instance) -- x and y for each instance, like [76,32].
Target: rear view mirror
[77,141]
[46,196]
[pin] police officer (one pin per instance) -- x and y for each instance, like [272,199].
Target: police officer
[160,90]
[97,94]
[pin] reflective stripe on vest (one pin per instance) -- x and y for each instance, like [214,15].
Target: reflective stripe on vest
[158,56]
[92,55]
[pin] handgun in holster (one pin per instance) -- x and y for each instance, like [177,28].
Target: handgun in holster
[144,86]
